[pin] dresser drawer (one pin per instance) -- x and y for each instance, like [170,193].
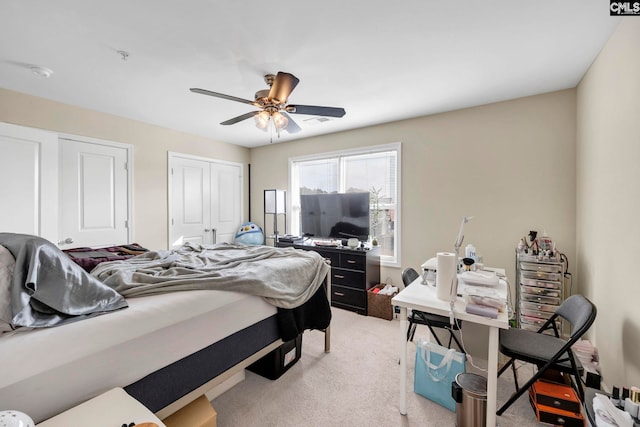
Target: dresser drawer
[352,261]
[350,278]
[348,296]
[333,257]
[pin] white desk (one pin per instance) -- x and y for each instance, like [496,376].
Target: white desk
[423,297]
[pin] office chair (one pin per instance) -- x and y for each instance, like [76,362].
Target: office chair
[548,352]
[430,320]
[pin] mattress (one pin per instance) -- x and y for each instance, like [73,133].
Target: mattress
[47,371]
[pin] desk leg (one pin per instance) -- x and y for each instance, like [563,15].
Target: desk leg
[403,361]
[492,377]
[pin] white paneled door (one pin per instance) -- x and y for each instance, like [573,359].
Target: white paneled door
[94,194]
[205,200]
[28,181]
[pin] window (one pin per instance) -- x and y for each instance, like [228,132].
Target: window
[375,170]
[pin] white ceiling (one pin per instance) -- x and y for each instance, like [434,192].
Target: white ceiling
[381,60]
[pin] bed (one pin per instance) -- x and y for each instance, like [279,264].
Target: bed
[165,347]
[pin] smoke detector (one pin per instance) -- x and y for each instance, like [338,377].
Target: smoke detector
[41,72]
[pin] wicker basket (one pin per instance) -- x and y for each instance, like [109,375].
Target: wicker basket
[379,305]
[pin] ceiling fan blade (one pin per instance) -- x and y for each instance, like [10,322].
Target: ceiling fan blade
[235,120]
[222,95]
[282,87]
[292,126]
[314,110]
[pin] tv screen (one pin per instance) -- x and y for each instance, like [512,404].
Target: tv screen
[336,216]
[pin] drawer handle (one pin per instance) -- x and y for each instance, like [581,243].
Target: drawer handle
[338,276]
[351,261]
[340,294]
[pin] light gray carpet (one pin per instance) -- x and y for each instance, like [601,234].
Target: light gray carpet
[356,384]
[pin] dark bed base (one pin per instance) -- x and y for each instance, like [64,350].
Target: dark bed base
[165,386]
[168,389]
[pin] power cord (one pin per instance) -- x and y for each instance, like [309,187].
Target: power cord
[467,355]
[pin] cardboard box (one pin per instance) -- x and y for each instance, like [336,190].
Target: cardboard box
[198,413]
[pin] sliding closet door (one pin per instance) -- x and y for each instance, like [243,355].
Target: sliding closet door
[29,181]
[93,194]
[205,200]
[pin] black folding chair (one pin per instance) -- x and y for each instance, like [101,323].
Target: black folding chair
[430,320]
[548,352]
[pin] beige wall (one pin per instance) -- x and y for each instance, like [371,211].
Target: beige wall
[150,142]
[510,164]
[608,200]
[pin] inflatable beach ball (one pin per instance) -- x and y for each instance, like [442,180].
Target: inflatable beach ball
[250,234]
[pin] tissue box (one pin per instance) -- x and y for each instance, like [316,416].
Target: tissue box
[379,305]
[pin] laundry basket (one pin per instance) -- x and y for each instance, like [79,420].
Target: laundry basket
[379,305]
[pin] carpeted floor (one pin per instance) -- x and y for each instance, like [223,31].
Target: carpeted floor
[356,384]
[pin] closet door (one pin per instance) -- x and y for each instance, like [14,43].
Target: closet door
[226,199]
[189,204]
[29,181]
[93,194]
[205,200]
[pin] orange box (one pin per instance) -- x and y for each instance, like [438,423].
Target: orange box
[198,413]
[559,396]
[555,416]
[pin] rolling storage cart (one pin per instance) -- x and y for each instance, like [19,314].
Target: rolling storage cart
[539,290]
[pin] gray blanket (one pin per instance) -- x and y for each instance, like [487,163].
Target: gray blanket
[48,289]
[284,277]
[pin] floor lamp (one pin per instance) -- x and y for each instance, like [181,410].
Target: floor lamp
[275,203]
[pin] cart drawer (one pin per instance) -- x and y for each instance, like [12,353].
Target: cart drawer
[539,275]
[545,268]
[540,299]
[540,283]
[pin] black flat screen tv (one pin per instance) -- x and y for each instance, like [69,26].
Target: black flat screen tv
[335,216]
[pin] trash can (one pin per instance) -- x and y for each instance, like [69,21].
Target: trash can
[470,393]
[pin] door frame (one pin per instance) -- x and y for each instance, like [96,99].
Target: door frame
[129,152]
[170,156]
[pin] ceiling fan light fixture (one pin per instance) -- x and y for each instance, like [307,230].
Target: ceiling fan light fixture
[279,120]
[262,120]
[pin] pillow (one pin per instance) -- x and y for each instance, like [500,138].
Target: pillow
[7,264]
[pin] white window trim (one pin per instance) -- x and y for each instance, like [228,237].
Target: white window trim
[385,261]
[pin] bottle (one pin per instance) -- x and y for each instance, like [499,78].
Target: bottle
[615,396]
[470,252]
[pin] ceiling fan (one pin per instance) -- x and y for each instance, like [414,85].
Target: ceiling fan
[272,104]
